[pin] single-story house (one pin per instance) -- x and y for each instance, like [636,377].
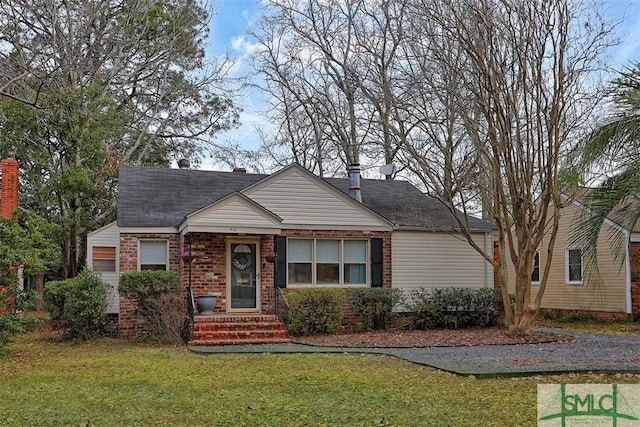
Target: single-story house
[567,289]
[253,236]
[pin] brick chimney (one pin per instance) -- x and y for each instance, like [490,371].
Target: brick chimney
[8,187]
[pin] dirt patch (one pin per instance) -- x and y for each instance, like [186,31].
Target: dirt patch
[431,338]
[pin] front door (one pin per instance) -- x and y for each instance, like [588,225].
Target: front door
[244,281]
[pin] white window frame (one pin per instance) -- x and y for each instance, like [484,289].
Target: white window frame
[166,256]
[567,269]
[114,259]
[537,255]
[341,280]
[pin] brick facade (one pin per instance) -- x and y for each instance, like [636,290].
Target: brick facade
[351,319]
[128,323]
[208,270]
[496,271]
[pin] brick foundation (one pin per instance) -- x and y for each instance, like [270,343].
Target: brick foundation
[129,324]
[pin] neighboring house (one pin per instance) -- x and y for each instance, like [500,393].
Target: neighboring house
[567,290]
[235,222]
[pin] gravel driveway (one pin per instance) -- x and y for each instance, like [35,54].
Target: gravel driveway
[594,352]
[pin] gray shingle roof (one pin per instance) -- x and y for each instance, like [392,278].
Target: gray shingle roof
[161,197]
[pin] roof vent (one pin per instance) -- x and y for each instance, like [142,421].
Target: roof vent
[354,182]
[184,164]
[239,170]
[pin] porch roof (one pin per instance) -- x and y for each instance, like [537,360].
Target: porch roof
[234,213]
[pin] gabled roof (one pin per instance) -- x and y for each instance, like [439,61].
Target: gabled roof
[233,213]
[162,197]
[299,185]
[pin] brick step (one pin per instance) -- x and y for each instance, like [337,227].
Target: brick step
[243,326]
[242,338]
[238,329]
[244,333]
[208,342]
[225,318]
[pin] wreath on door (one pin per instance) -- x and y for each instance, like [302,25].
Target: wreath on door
[242,260]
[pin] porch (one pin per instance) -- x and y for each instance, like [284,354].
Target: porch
[218,328]
[226,329]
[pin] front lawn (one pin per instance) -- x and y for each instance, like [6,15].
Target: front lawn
[45,382]
[584,324]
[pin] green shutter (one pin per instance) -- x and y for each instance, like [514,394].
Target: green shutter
[280,275]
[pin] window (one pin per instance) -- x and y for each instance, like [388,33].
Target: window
[153,255]
[535,274]
[327,262]
[355,261]
[574,266]
[300,260]
[104,258]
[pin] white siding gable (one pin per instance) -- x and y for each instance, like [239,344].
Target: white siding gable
[233,214]
[109,236]
[303,200]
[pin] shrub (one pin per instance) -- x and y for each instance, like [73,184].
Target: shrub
[574,317]
[456,307]
[314,311]
[374,306]
[77,305]
[159,301]
[26,300]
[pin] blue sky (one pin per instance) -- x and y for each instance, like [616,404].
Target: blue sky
[233,17]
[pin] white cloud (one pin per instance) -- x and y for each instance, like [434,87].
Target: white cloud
[244,46]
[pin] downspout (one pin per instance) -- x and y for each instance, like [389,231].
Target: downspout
[627,259]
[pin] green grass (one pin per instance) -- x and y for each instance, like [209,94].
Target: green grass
[109,382]
[613,327]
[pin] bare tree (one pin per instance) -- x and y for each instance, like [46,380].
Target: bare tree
[350,79]
[527,83]
[438,151]
[313,65]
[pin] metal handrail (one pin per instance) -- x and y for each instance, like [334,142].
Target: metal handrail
[190,303]
[281,305]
